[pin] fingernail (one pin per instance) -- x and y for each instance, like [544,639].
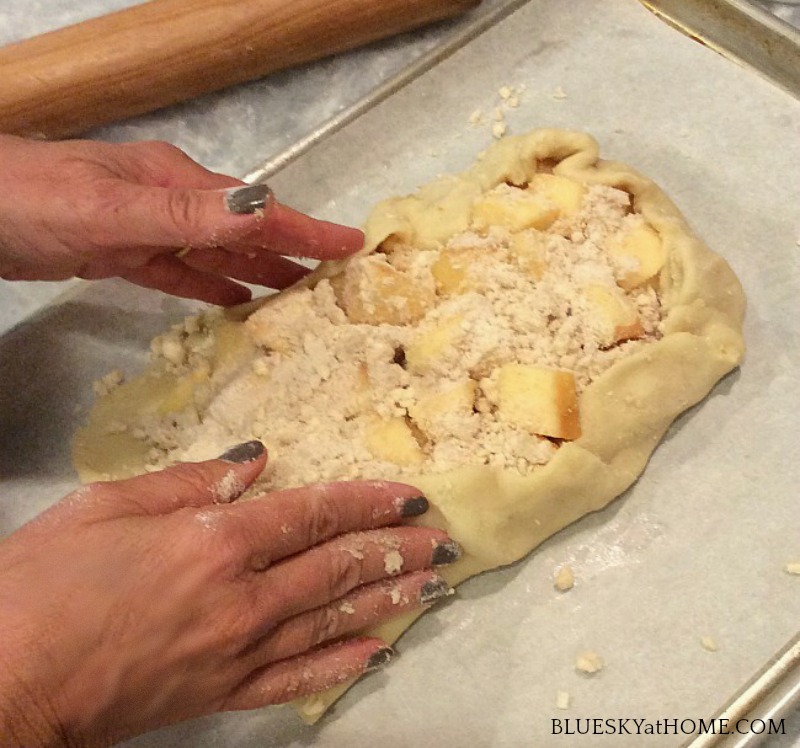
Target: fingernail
[414,507]
[379,658]
[433,590]
[248,199]
[241,453]
[445,553]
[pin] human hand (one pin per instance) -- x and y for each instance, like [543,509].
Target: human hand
[134,604]
[147,213]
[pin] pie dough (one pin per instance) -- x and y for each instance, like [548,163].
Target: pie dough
[598,445]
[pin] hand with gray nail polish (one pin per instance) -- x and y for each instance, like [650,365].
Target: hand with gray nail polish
[133,604]
[147,213]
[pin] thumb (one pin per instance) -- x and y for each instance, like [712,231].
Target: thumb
[190,484]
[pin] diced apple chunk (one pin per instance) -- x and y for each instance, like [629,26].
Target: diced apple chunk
[430,345]
[451,270]
[392,440]
[373,292]
[513,208]
[431,412]
[618,315]
[566,194]
[529,250]
[642,255]
[542,401]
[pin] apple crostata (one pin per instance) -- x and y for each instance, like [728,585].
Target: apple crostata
[514,341]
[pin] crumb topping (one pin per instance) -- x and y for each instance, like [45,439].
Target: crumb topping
[564,579]
[424,360]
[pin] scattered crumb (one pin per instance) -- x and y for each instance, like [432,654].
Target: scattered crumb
[396,595]
[709,644]
[173,351]
[559,93]
[356,553]
[109,382]
[793,567]
[589,662]
[347,607]
[227,488]
[393,562]
[564,579]
[562,700]
[285,529]
[510,97]
[207,519]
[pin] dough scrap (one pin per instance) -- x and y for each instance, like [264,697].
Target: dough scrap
[497,513]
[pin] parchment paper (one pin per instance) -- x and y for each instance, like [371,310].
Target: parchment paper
[696,548]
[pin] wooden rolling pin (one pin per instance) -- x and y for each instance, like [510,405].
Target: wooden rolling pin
[165,51]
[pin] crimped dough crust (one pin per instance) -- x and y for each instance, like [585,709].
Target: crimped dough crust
[498,516]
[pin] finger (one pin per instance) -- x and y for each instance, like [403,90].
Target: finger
[289,232]
[179,217]
[366,606]
[286,522]
[168,274]
[331,570]
[309,673]
[189,484]
[260,268]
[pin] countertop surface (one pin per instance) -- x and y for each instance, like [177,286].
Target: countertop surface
[237,129]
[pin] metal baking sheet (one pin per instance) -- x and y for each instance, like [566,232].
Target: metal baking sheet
[696,548]
[741,30]
[738,29]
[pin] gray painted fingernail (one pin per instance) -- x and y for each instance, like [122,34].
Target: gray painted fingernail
[379,658]
[248,199]
[445,553]
[245,452]
[433,590]
[414,507]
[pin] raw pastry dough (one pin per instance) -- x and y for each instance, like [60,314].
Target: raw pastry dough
[498,514]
